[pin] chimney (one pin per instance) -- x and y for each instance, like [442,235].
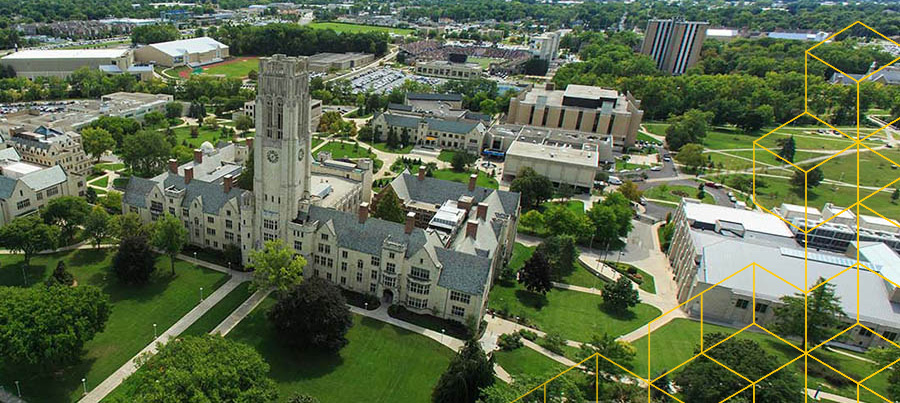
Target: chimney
[249,142]
[472,179]
[481,213]
[173,166]
[188,174]
[471,229]
[549,86]
[410,222]
[229,181]
[363,212]
[198,156]
[421,172]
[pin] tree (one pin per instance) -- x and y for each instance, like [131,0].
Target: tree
[461,160]
[276,266]
[51,324]
[801,181]
[66,213]
[532,220]
[28,235]
[468,373]
[154,119]
[61,276]
[816,319]
[312,315]
[134,262]
[895,196]
[630,190]
[389,208]
[691,155]
[788,148]
[146,152]
[606,226]
[128,224]
[146,34]
[620,352]
[534,189]
[96,225]
[169,235]
[535,274]
[211,122]
[203,368]
[567,222]
[687,128]
[300,398]
[96,141]
[243,123]
[174,109]
[561,252]
[883,357]
[703,380]
[620,295]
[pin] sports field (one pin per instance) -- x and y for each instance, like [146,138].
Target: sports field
[354,28]
[234,68]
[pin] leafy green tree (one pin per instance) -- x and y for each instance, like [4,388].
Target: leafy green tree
[567,222]
[703,380]
[120,128]
[468,372]
[146,152]
[96,225]
[535,274]
[800,181]
[312,315]
[170,236]
[243,123]
[623,211]
[561,252]
[66,213]
[129,224]
[691,155]
[532,220]
[173,110]
[882,357]
[245,179]
[687,128]
[619,352]
[895,196]
[203,368]
[788,148]
[389,208]
[276,266]
[620,295]
[606,226]
[630,190]
[814,318]
[134,262]
[60,276]
[154,119]
[96,141]
[29,235]
[147,34]
[461,161]
[51,324]
[534,189]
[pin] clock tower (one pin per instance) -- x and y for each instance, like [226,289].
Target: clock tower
[281,172]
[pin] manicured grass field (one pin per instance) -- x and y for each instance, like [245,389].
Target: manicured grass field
[779,190]
[524,361]
[579,275]
[576,206]
[381,146]
[675,342]
[218,313]
[674,193]
[111,166]
[484,62]
[102,182]
[130,326]
[183,134]
[346,150]
[353,28]
[651,140]
[484,180]
[316,141]
[382,363]
[874,169]
[575,315]
[234,69]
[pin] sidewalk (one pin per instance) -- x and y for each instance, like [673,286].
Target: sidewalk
[110,383]
[241,312]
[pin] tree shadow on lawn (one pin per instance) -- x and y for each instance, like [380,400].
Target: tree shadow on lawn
[530,299]
[11,275]
[623,315]
[84,257]
[46,384]
[289,364]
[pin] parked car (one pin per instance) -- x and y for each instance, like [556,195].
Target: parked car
[656,168]
[614,180]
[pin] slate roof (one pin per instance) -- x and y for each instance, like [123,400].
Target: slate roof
[212,194]
[7,186]
[436,191]
[443,125]
[137,190]
[420,96]
[400,107]
[44,178]
[463,272]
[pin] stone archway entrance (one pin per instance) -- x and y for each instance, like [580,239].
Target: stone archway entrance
[387,297]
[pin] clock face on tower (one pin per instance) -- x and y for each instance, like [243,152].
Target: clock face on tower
[272,156]
[300,155]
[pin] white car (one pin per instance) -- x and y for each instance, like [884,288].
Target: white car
[614,180]
[656,168]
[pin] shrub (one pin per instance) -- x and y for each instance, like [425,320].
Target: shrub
[509,342]
[553,342]
[528,334]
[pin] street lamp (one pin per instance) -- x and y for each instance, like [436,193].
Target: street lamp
[367,305]
[18,391]
[195,255]
[84,385]
[442,335]
[154,332]
[201,294]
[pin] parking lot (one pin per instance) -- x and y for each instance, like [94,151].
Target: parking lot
[383,80]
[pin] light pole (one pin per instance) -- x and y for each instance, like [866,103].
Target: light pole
[442,335]
[18,391]
[84,385]
[367,305]
[201,294]
[195,255]
[154,332]
[229,265]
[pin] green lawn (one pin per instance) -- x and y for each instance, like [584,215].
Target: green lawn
[235,69]
[218,313]
[674,193]
[111,166]
[484,180]
[484,62]
[579,275]
[354,28]
[576,206]
[382,363]
[130,326]
[381,146]
[575,315]
[446,155]
[346,150]
[102,182]
[316,141]
[675,342]
[183,134]
[523,362]
[645,137]
[778,190]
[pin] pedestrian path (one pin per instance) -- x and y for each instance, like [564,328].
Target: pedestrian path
[241,312]
[114,380]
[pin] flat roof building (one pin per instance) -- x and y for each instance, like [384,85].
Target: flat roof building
[579,108]
[63,62]
[325,62]
[192,52]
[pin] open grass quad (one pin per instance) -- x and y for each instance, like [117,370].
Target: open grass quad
[135,309]
[381,363]
[234,68]
[484,180]
[340,27]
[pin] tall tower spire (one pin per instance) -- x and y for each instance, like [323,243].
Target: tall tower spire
[281,163]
